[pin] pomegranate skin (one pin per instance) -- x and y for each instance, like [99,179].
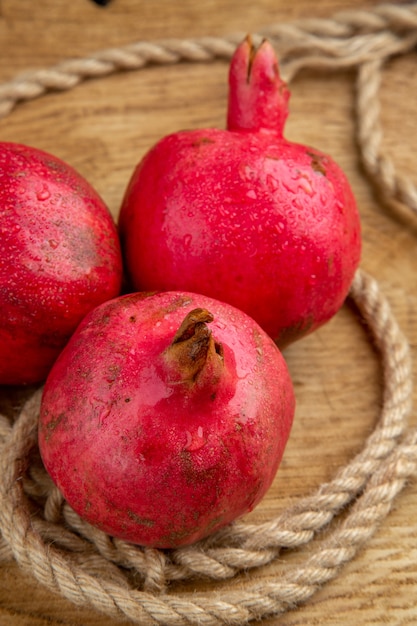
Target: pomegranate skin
[60,257]
[244,215]
[147,452]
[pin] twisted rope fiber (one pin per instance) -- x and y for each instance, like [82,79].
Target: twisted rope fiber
[87,566]
[392,463]
[259,544]
[380,168]
[350,38]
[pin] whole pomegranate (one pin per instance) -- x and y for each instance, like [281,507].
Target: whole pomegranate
[165,417]
[244,215]
[60,257]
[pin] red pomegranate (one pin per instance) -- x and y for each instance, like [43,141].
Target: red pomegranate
[165,417]
[60,257]
[244,215]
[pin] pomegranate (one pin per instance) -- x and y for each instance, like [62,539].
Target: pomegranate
[244,215]
[60,257]
[165,417]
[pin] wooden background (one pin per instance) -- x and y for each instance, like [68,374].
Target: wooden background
[104,126]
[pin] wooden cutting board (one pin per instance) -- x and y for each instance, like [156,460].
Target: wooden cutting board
[104,126]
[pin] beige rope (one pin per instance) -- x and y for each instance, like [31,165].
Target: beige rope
[374,478]
[350,38]
[392,186]
[45,536]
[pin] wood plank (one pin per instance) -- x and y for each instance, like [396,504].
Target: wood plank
[104,126]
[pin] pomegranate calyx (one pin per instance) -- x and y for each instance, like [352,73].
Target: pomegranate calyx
[193,350]
[251,56]
[258,97]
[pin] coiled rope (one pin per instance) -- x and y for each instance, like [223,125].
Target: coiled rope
[41,532]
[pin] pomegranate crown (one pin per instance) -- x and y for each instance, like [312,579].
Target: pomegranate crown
[258,97]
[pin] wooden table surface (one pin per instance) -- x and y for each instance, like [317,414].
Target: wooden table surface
[103,127]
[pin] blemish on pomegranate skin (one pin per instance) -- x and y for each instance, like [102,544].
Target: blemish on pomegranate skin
[201,141]
[317,163]
[52,425]
[142,521]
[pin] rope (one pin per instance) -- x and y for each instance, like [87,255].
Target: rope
[374,477]
[49,540]
[380,168]
[350,38]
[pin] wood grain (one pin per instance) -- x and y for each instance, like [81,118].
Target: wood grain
[103,127]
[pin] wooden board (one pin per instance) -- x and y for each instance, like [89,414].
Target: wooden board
[104,126]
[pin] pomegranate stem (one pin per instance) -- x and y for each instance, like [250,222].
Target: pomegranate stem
[193,348]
